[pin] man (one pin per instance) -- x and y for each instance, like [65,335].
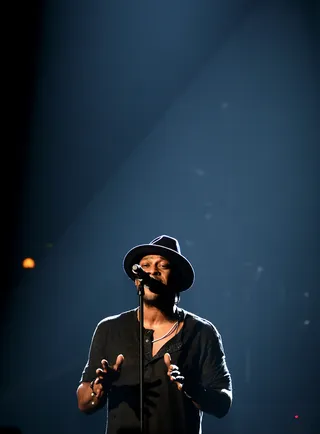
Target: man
[185,371]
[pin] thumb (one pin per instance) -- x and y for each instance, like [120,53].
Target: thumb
[167,360]
[119,362]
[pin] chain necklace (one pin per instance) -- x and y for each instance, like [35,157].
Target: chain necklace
[173,328]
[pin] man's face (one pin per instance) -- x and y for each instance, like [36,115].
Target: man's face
[159,268]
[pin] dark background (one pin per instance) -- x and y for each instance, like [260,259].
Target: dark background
[126,120]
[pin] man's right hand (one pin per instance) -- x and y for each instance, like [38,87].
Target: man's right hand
[106,375]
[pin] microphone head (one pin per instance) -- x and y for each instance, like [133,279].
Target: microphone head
[135,268]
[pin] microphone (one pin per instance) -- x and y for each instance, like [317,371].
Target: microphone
[140,273]
[146,278]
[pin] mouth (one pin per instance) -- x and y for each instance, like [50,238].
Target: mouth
[156,287]
[156,278]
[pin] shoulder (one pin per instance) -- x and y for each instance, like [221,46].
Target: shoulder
[122,319]
[205,327]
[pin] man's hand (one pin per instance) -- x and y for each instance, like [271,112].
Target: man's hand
[175,376]
[173,372]
[106,375]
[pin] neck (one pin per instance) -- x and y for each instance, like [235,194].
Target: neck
[154,316]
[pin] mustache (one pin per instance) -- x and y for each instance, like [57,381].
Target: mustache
[155,285]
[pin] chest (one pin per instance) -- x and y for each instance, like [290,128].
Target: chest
[156,346]
[184,353]
[159,338]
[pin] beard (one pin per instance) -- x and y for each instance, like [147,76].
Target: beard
[159,300]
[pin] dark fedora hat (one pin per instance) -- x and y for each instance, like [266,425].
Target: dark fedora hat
[167,247]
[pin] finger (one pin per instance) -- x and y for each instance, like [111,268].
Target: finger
[119,361]
[173,368]
[105,364]
[178,379]
[180,386]
[100,373]
[178,383]
[174,373]
[97,387]
[98,390]
[167,360]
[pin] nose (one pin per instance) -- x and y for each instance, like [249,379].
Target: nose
[154,270]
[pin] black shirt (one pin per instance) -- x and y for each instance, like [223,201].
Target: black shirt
[198,352]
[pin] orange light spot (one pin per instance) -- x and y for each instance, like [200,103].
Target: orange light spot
[28,263]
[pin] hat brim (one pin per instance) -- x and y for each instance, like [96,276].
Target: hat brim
[181,263]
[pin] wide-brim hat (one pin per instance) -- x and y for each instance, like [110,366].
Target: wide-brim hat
[167,247]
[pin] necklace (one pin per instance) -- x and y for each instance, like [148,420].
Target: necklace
[174,327]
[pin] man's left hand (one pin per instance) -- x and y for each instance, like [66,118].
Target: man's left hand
[173,372]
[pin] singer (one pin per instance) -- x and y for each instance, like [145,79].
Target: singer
[185,369]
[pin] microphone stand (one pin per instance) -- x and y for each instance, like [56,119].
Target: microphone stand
[141,294]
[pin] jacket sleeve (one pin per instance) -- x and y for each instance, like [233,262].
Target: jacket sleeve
[214,393]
